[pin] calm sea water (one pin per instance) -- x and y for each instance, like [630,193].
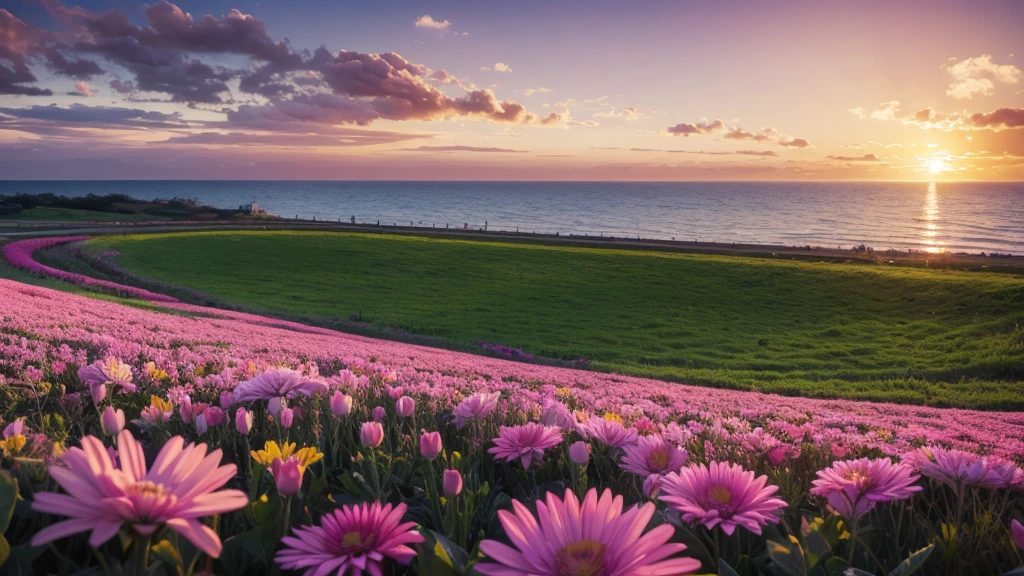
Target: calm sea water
[959,217]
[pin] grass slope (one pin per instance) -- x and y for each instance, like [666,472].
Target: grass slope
[817,329]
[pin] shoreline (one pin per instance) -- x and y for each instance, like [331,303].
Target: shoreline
[13,228]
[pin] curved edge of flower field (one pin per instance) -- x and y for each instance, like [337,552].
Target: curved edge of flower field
[112,329]
[19,255]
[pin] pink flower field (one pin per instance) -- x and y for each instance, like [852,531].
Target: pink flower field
[213,434]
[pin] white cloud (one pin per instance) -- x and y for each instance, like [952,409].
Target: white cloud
[426,21]
[979,75]
[532,91]
[885,111]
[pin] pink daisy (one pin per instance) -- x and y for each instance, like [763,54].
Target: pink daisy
[652,455]
[478,405]
[527,442]
[721,494]
[179,489]
[955,467]
[853,487]
[277,383]
[353,539]
[609,432]
[592,538]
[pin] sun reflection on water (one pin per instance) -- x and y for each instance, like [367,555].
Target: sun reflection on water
[931,221]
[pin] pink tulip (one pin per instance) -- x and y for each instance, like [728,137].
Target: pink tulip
[452,482]
[371,434]
[243,420]
[430,444]
[287,417]
[112,420]
[287,476]
[405,407]
[341,404]
[1018,533]
[579,453]
[214,416]
[378,414]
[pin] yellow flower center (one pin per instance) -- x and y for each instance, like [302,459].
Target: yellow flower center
[351,540]
[582,558]
[659,459]
[721,495]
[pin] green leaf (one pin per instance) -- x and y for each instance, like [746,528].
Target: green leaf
[457,557]
[725,570]
[8,498]
[788,557]
[836,565]
[432,559]
[166,554]
[913,562]
[19,562]
[5,549]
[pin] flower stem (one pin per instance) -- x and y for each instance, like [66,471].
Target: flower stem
[140,555]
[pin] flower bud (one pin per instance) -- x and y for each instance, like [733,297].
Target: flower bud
[579,453]
[405,407]
[341,404]
[243,420]
[287,417]
[98,391]
[112,420]
[452,482]
[652,486]
[371,434]
[287,476]
[430,444]
[378,413]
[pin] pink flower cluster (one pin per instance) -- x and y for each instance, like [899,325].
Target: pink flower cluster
[19,254]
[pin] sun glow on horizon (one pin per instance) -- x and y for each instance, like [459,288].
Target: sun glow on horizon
[937,166]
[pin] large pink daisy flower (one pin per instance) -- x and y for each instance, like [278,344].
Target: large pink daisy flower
[351,540]
[278,383]
[721,494]
[179,489]
[853,487]
[652,455]
[527,442]
[594,538]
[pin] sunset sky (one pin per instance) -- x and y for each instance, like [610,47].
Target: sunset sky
[668,90]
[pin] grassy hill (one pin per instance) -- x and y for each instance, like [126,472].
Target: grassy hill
[820,329]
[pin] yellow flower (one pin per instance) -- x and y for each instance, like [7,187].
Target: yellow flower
[58,449]
[271,451]
[563,391]
[153,372]
[13,445]
[161,404]
[613,417]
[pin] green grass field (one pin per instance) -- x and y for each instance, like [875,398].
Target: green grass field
[861,331]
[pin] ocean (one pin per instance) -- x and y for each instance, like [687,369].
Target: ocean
[955,217]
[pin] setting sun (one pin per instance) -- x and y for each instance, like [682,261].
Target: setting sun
[937,165]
